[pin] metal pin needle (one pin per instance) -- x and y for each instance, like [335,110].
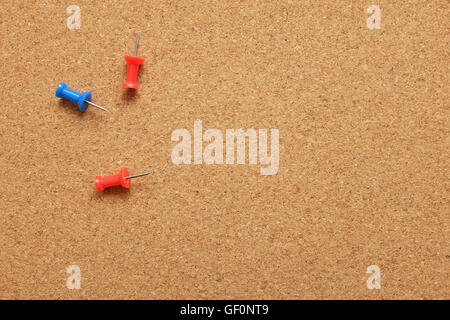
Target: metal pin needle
[137,44]
[96,105]
[137,175]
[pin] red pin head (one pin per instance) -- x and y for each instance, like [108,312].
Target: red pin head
[115,180]
[133,68]
[122,179]
[132,72]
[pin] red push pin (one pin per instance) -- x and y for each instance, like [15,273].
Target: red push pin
[121,179]
[133,68]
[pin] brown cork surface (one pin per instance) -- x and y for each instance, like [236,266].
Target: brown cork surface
[363,177]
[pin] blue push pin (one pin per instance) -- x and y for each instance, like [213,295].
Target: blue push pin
[82,99]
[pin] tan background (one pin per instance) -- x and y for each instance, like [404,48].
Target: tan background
[364,149]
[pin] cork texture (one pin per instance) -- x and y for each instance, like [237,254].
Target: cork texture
[363,179]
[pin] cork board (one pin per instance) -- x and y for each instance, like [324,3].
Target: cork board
[363,150]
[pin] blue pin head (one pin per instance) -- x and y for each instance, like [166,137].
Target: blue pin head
[80,98]
[60,90]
